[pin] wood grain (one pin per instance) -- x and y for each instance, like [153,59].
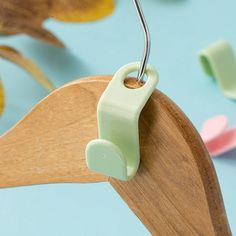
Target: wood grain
[48,145]
[175,192]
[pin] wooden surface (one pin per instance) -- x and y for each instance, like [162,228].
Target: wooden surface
[175,192]
[48,145]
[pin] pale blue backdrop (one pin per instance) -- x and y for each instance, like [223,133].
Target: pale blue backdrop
[179,28]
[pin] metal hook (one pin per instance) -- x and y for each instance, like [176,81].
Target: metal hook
[147,39]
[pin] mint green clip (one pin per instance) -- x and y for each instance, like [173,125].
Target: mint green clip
[116,153]
[218,61]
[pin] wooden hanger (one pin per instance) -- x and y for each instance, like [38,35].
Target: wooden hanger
[175,191]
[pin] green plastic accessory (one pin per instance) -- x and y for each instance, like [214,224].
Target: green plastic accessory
[218,61]
[116,153]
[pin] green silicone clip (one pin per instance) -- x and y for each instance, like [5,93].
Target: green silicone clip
[218,61]
[116,153]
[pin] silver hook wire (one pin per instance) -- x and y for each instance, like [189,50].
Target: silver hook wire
[147,41]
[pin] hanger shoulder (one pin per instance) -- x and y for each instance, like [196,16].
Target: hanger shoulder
[47,145]
[176,191]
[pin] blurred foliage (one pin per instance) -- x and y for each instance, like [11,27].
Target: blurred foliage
[28,16]
[1,98]
[16,57]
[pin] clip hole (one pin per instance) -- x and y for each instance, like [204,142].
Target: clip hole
[133,83]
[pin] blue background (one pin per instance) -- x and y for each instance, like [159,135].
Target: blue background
[179,30]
